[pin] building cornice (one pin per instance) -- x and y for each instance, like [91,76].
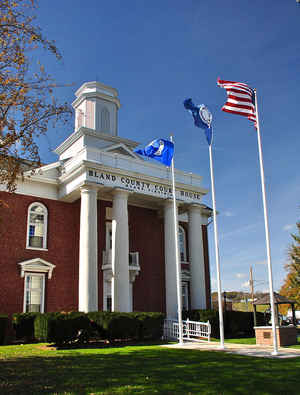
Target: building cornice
[84,165]
[83,131]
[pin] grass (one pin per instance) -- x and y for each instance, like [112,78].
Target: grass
[39,369]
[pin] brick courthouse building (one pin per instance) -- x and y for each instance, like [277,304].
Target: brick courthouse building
[56,234]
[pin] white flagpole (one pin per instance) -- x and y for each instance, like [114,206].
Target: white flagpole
[113,264]
[262,176]
[178,264]
[221,323]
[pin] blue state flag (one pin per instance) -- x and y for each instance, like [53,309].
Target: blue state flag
[159,149]
[202,117]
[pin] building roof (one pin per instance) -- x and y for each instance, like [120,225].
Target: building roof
[278,299]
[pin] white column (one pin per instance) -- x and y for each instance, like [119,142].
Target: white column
[121,288]
[88,251]
[196,258]
[170,261]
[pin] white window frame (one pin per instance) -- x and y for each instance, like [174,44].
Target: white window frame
[185,294]
[41,275]
[181,228]
[108,235]
[45,213]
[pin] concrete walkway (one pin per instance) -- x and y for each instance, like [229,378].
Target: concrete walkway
[251,350]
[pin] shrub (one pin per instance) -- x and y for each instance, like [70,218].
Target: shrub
[23,324]
[62,328]
[98,319]
[236,323]
[42,326]
[150,325]
[3,327]
[121,326]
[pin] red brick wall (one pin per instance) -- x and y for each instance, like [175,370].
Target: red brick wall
[146,235]
[63,224]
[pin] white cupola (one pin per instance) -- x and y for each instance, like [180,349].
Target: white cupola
[96,107]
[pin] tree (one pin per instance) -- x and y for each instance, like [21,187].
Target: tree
[27,104]
[291,286]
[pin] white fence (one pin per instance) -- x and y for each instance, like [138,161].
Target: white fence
[192,330]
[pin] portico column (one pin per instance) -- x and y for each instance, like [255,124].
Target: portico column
[196,257]
[88,251]
[170,261]
[121,277]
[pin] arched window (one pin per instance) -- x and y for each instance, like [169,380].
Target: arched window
[105,123]
[182,244]
[37,226]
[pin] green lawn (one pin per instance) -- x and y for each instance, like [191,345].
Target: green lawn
[38,369]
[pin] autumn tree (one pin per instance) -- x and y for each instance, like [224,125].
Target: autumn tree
[27,104]
[291,286]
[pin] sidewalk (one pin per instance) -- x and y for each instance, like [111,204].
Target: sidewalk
[241,349]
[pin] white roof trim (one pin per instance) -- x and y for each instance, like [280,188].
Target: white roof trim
[36,265]
[123,146]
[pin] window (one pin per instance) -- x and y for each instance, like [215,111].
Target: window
[108,303]
[108,242]
[34,293]
[185,296]
[37,226]
[182,244]
[105,124]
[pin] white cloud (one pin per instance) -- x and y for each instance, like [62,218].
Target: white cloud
[240,275]
[288,227]
[243,229]
[245,284]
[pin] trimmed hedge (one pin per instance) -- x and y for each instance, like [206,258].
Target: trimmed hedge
[236,323]
[3,327]
[150,325]
[23,324]
[136,325]
[62,328]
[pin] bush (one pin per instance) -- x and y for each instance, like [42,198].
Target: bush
[150,325]
[137,325]
[120,326]
[236,323]
[3,327]
[42,326]
[62,328]
[98,319]
[23,324]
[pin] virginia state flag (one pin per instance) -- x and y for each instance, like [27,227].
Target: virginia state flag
[159,149]
[202,117]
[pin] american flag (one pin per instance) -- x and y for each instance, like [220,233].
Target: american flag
[240,99]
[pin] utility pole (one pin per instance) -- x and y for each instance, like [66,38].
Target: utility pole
[251,283]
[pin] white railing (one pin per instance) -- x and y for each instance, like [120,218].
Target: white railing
[192,330]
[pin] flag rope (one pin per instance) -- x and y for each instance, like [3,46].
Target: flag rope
[263,187]
[221,323]
[178,264]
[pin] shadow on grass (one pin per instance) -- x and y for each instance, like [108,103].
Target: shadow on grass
[148,370]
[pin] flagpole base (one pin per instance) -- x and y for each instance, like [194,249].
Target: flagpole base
[275,353]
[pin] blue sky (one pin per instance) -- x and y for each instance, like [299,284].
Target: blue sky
[156,54]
